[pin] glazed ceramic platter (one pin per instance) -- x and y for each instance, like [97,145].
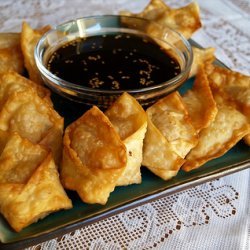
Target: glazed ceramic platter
[123,198]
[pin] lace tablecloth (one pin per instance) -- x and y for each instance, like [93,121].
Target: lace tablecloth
[210,216]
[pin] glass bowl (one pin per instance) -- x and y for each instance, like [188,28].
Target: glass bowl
[109,24]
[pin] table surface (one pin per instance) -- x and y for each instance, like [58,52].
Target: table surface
[214,215]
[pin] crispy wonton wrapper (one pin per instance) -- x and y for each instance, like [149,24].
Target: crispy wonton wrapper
[33,118]
[229,127]
[19,159]
[234,85]
[9,40]
[158,155]
[186,20]
[199,101]
[29,39]
[12,82]
[11,57]
[169,137]
[4,136]
[94,157]
[130,121]
[171,117]
[30,187]
[201,56]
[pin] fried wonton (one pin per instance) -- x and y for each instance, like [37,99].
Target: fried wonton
[201,56]
[154,10]
[4,136]
[94,157]
[171,117]
[235,86]
[32,118]
[24,202]
[158,154]
[11,57]
[19,159]
[229,127]
[53,141]
[9,40]
[130,121]
[12,82]
[199,101]
[29,39]
[186,20]
[170,136]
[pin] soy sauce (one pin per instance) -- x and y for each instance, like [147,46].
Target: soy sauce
[113,61]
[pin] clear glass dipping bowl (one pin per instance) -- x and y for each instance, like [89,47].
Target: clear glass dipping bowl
[100,25]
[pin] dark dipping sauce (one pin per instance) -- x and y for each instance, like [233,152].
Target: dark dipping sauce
[114,61]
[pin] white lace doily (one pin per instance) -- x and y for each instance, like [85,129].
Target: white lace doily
[210,216]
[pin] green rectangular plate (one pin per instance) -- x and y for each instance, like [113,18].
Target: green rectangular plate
[123,198]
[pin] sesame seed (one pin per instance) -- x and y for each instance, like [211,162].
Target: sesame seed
[142,81]
[95,82]
[125,77]
[84,62]
[68,61]
[92,58]
[115,85]
[149,83]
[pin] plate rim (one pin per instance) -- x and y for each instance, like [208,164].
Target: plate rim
[36,239]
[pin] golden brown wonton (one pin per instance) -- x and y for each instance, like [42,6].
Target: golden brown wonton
[199,101]
[130,121]
[4,136]
[32,118]
[169,137]
[158,155]
[11,57]
[9,40]
[29,39]
[19,159]
[28,196]
[170,116]
[233,86]
[186,20]
[94,157]
[223,133]
[201,56]
[11,82]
